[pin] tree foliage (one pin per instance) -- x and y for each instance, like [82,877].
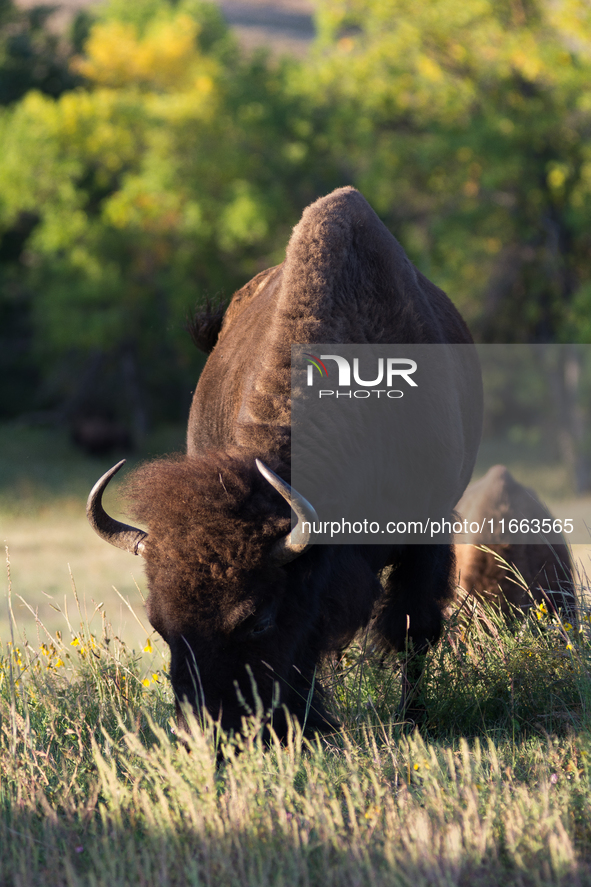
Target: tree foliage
[31,55]
[176,167]
[173,175]
[467,125]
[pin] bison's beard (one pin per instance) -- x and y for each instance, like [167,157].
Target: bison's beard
[258,700]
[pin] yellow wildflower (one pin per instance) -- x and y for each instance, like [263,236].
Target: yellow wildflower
[372,812]
[148,648]
[541,610]
[146,682]
[75,643]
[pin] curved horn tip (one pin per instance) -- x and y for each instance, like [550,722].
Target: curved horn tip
[270,475]
[287,549]
[101,485]
[113,471]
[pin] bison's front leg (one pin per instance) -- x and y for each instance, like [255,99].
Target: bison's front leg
[409,616]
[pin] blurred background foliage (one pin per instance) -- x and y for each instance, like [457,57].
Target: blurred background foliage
[148,164]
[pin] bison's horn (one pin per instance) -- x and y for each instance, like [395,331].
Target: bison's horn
[120,535]
[285,550]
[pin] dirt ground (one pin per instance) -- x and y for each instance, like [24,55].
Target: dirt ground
[281,25]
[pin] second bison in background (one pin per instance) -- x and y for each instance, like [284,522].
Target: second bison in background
[491,574]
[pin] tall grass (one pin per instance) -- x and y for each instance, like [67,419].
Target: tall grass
[44,483]
[97,789]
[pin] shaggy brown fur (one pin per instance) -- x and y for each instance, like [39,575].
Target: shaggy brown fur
[229,615]
[546,569]
[345,279]
[212,520]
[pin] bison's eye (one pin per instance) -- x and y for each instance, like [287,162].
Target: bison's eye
[264,625]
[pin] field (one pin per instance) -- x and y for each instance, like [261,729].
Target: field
[97,789]
[44,483]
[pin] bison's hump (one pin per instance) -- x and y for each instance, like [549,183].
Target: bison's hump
[341,239]
[497,494]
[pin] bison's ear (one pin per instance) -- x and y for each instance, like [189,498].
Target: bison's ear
[205,325]
[120,535]
[286,549]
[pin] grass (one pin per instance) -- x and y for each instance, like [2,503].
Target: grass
[41,468]
[97,789]
[44,483]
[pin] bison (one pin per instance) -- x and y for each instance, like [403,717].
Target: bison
[100,435]
[244,607]
[491,571]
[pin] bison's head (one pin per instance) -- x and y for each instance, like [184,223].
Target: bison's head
[229,592]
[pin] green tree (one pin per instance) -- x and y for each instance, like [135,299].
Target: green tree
[174,174]
[31,55]
[467,126]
